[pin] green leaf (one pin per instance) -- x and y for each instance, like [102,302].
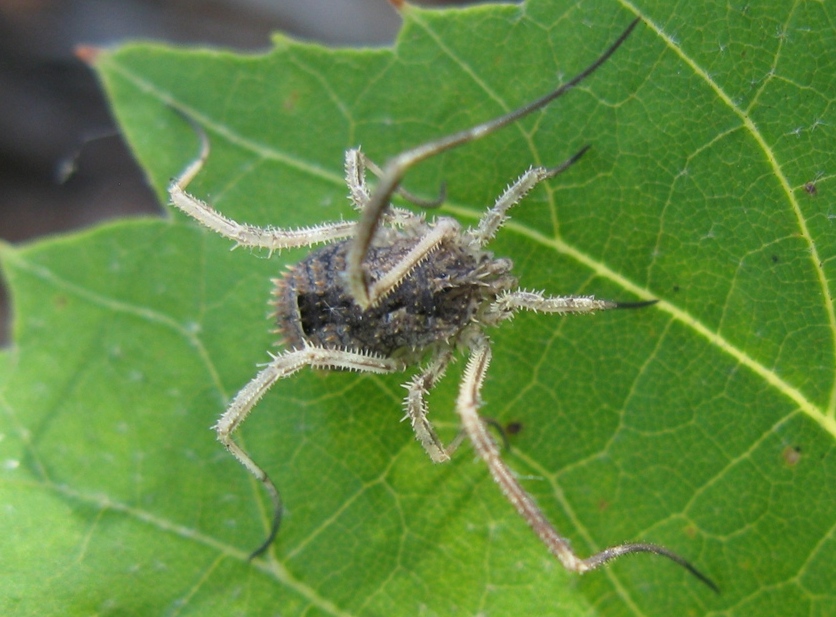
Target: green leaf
[705,423]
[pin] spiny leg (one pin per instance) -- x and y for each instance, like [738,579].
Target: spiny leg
[358,190]
[356,164]
[416,408]
[241,233]
[496,216]
[282,366]
[443,227]
[467,407]
[396,168]
[508,303]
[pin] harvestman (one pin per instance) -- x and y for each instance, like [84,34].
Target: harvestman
[393,289]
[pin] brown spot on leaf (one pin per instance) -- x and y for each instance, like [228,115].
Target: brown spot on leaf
[791,455]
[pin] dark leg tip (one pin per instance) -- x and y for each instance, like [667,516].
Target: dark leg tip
[635,305]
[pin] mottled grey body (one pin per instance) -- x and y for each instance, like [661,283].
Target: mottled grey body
[438,299]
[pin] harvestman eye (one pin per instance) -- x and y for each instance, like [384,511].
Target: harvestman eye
[394,291]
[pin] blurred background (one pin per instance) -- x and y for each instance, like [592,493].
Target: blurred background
[63,165]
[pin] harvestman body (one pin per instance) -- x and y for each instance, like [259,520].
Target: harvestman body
[389,291]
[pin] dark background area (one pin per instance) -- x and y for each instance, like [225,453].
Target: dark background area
[63,164]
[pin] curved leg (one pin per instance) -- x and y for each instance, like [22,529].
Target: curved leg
[416,408]
[241,233]
[282,366]
[467,406]
[356,164]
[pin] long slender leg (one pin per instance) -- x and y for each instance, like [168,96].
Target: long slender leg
[467,406]
[356,164]
[241,233]
[496,216]
[282,366]
[355,178]
[508,303]
[416,408]
[394,170]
